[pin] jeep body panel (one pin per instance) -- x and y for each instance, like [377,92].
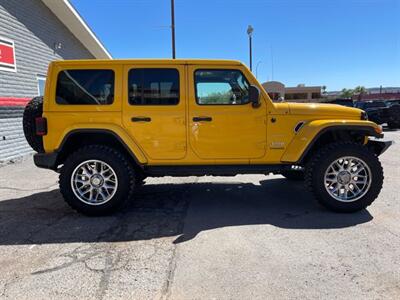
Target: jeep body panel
[160,130]
[237,135]
[61,132]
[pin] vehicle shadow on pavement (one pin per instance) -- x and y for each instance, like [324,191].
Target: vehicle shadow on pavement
[167,210]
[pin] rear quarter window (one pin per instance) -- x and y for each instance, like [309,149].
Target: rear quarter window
[85,87]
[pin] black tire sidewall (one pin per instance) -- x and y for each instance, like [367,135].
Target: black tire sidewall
[318,177]
[33,110]
[116,161]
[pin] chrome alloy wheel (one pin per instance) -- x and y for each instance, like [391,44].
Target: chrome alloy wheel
[94,182]
[347,179]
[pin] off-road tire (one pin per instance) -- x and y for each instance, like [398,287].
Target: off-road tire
[119,163]
[317,166]
[293,175]
[33,110]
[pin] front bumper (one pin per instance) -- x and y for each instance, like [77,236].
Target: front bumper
[46,160]
[378,147]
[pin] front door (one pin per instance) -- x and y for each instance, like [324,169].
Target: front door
[154,109]
[223,125]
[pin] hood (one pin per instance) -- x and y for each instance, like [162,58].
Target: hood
[323,109]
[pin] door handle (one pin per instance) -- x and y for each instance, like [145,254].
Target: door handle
[141,119]
[202,119]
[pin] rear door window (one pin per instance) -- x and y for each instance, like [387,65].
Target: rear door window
[153,86]
[85,87]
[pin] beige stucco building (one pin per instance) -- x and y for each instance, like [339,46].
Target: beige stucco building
[300,93]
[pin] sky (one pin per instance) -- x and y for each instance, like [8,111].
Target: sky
[336,43]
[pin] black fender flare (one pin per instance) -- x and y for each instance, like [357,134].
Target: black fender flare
[368,130]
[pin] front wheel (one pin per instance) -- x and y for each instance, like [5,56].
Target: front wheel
[96,180]
[345,177]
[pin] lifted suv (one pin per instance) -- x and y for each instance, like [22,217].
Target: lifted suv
[107,125]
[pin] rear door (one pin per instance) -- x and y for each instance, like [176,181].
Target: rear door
[154,106]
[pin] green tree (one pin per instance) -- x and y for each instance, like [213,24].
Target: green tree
[359,91]
[347,93]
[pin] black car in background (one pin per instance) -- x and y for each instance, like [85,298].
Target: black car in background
[390,103]
[381,112]
[344,102]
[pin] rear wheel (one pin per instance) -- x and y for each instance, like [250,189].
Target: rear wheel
[345,177]
[96,180]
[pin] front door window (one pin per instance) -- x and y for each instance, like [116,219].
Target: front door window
[221,87]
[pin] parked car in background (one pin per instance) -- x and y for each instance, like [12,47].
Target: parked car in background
[390,103]
[376,110]
[394,113]
[344,102]
[370,105]
[381,112]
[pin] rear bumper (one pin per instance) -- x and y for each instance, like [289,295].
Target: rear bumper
[46,160]
[379,146]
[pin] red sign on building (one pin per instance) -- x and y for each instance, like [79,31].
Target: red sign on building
[7,55]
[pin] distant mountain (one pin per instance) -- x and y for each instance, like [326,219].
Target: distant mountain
[384,90]
[373,90]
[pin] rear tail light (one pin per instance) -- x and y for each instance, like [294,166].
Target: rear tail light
[41,126]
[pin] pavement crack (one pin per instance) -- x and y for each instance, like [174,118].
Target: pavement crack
[3,293]
[106,273]
[166,291]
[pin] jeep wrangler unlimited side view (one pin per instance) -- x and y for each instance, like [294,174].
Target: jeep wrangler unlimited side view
[105,125]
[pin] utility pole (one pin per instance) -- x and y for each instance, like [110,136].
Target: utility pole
[173,27]
[250,30]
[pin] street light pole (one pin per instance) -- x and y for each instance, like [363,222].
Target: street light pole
[251,56]
[173,27]
[250,30]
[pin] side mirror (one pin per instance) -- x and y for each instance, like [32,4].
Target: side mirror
[254,96]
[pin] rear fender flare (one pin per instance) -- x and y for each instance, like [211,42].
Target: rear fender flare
[119,133]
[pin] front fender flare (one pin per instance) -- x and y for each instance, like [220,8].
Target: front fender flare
[305,138]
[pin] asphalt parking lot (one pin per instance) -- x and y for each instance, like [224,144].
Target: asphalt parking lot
[243,237]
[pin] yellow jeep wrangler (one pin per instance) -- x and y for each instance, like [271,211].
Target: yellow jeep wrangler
[106,125]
